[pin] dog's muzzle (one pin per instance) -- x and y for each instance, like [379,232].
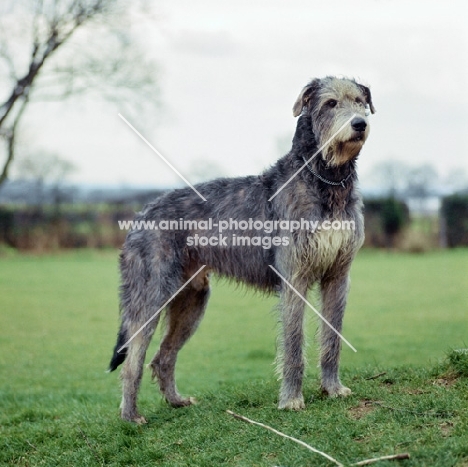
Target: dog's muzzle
[359,125]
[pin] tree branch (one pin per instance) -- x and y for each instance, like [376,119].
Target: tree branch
[52,43]
[54,23]
[392,457]
[10,135]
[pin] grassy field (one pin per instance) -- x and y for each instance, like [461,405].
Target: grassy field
[58,322]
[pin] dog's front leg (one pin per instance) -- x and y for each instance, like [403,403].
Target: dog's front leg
[290,357]
[334,293]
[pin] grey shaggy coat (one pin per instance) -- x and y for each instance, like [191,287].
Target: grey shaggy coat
[156,263]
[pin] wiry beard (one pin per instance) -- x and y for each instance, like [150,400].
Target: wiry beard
[339,152]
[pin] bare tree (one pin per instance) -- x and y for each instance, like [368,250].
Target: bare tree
[43,169]
[96,53]
[456,180]
[421,184]
[392,177]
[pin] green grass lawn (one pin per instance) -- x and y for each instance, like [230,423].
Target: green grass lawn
[58,323]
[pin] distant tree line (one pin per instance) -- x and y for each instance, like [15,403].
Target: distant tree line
[455,219]
[43,230]
[385,218]
[80,225]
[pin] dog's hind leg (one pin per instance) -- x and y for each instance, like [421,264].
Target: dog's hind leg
[183,316]
[141,295]
[291,360]
[334,293]
[132,372]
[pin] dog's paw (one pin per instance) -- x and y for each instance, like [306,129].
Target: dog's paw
[138,419]
[182,402]
[296,403]
[337,391]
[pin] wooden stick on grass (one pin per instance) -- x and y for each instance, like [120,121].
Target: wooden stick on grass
[376,376]
[298,441]
[394,457]
[95,453]
[32,445]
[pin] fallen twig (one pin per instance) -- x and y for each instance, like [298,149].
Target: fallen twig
[298,441]
[245,419]
[402,456]
[95,453]
[32,445]
[376,376]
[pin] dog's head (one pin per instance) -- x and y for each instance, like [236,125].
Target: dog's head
[338,109]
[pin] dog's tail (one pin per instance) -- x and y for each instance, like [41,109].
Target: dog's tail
[119,355]
[133,297]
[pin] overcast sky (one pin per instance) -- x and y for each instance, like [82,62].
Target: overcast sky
[231,71]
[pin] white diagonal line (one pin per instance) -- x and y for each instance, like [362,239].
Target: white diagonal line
[159,311]
[162,157]
[323,145]
[312,308]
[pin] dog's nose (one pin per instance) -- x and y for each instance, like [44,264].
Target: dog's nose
[358,124]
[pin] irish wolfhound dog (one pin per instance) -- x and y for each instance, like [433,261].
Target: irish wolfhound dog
[155,262]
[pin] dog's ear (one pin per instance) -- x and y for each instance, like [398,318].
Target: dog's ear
[305,96]
[368,96]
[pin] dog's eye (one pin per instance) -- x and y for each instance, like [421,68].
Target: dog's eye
[359,101]
[332,103]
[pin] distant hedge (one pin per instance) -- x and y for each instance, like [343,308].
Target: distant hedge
[78,226]
[384,219]
[455,215]
[95,226]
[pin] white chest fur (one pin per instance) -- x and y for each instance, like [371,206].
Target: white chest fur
[325,246]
